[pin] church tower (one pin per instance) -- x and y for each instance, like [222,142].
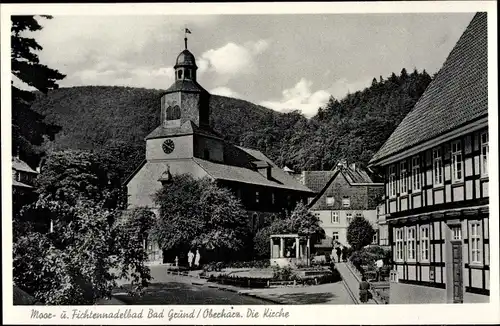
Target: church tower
[184,130]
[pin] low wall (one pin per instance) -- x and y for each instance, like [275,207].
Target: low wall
[401,293]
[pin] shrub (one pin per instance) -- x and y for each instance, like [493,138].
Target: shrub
[367,257]
[283,273]
[218,266]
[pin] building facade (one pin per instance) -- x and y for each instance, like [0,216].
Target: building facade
[436,189]
[185,143]
[342,194]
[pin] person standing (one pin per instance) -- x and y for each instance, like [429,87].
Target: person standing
[197,259]
[190,259]
[379,263]
[339,253]
[344,253]
[364,288]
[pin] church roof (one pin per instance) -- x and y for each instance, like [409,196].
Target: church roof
[188,128]
[185,85]
[185,58]
[280,179]
[20,165]
[458,94]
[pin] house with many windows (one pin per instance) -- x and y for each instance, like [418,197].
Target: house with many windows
[342,194]
[436,199]
[185,143]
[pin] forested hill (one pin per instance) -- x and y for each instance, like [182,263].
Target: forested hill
[116,120]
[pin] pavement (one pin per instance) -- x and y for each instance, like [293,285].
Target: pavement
[351,282]
[189,288]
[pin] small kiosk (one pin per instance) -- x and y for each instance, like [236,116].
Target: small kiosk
[290,250]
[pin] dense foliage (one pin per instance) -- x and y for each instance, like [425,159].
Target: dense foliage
[197,213]
[92,242]
[360,233]
[353,127]
[28,127]
[368,256]
[300,221]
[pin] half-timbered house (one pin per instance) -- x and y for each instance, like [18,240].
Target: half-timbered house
[436,185]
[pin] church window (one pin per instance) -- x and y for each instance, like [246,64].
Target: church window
[173,113]
[188,74]
[179,74]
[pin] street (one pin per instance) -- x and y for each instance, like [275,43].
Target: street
[168,289]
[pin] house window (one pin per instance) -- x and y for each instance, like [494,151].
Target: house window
[392,181]
[475,241]
[257,197]
[330,201]
[335,237]
[273,199]
[485,150]
[457,232]
[399,244]
[437,166]
[456,161]
[375,238]
[403,177]
[415,173]
[410,243]
[346,202]
[359,214]
[424,243]
[349,218]
[335,217]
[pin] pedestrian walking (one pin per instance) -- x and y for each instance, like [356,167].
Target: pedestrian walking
[333,254]
[190,258]
[197,259]
[339,253]
[364,288]
[344,253]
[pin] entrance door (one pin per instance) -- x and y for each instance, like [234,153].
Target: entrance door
[458,295]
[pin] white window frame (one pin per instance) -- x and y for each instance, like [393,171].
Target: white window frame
[403,178]
[476,243]
[392,181]
[348,217]
[425,243]
[359,214]
[485,153]
[457,173]
[456,232]
[399,239]
[411,243]
[416,176]
[330,201]
[335,219]
[335,236]
[437,167]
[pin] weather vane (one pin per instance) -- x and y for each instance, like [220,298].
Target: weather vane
[186,32]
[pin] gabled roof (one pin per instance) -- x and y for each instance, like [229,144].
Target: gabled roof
[319,181]
[458,95]
[20,165]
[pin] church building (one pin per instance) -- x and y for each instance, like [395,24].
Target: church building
[184,142]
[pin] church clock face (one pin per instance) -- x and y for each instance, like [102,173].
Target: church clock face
[168,146]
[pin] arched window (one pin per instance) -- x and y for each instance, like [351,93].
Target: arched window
[173,113]
[179,74]
[188,74]
[169,113]
[176,113]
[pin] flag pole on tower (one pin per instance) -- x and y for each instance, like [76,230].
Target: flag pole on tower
[186,31]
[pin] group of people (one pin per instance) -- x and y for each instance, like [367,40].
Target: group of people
[340,251]
[194,258]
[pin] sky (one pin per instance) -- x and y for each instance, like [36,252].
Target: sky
[283,62]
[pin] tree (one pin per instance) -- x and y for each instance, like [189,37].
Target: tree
[300,221]
[199,213]
[29,127]
[360,233]
[92,243]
